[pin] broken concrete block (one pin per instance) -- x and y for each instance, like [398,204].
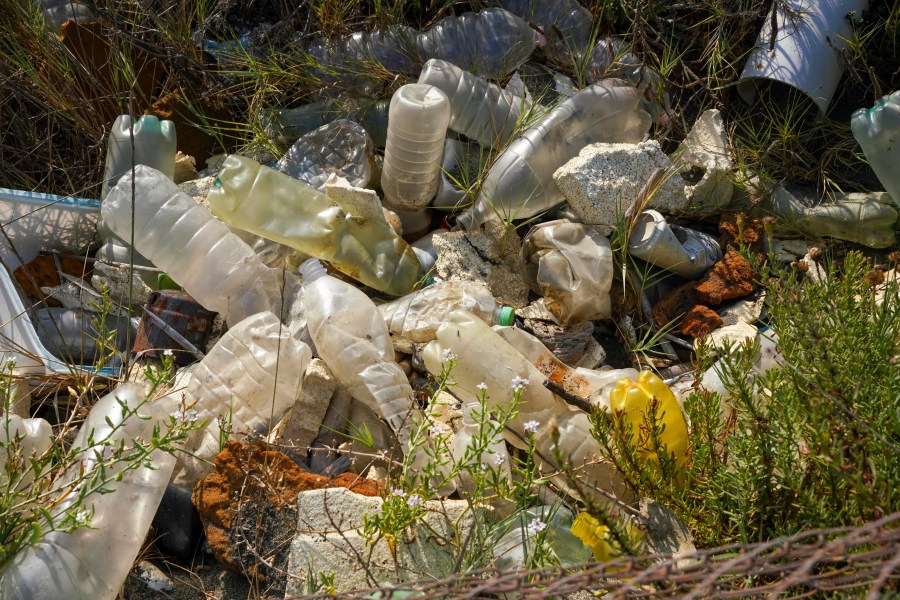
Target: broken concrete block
[328,541]
[490,255]
[604,180]
[705,164]
[733,334]
[303,420]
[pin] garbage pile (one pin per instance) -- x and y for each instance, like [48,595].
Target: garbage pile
[355,271]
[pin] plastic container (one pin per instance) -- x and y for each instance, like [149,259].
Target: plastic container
[417,127]
[92,562]
[57,12]
[520,183]
[34,438]
[263,201]
[351,337]
[571,265]
[341,147]
[567,25]
[479,110]
[198,251]
[33,222]
[417,316]
[424,249]
[251,377]
[610,59]
[878,132]
[684,251]
[479,445]
[482,356]
[70,333]
[516,537]
[154,145]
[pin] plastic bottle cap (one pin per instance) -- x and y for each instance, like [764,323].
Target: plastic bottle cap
[507,316]
[164,282]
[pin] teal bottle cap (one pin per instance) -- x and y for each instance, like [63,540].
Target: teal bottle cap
[507,316]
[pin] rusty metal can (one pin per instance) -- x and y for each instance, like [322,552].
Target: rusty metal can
[173,320]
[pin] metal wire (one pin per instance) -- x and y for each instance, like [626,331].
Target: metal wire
[861,561]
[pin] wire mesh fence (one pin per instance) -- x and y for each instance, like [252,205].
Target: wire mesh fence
[859,562]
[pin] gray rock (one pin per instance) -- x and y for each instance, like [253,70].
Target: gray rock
[153,577]
[568,344]
[666,534]
[328,541]
[604,180]
[593,355]
[704,153]
[490,256]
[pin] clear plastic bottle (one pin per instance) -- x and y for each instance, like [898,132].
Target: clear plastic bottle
[57,12]
[341,147]
[181,237]
[251,377]
[520,183]
[478,445]
[417,316]
[482,356]
[610,59]
[684,251]
[70,333]
[92,562]
[271,204]
[351,337]
[877,130]
[34,438]
[479,110]
[287,125]
[417,128]
[516,537]
[566,24]
[572,266]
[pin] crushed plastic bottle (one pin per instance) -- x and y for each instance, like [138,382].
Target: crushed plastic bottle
[198,251]
[479,110]
[92,562]
[878,132]
[250,378]
[286,125]
[268,203]
[417,127]
[341,147]
[417,316]
[565,23]
[571,265]
[71,335]
[520,183]
[684,251]
[483,357]
[351,337]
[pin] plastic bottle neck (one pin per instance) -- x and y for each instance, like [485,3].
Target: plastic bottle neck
[310,270]
[504,316]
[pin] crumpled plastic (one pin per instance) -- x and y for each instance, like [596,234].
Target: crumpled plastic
[571,266]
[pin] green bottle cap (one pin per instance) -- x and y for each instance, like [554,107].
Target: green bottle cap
[164,282]
[507,316]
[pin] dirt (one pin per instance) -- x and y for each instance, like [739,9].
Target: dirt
[730,278]
[699,321]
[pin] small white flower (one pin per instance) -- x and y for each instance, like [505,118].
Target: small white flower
[518,383]
[398,492]
[499,459]
[447,355]
[436,430]
[415,501]
[531,426]
[168,353]
[481,386]
[191,416]
[536,526]
[82,517]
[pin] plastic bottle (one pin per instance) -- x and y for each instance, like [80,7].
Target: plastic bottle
[878,132]
[154,145]
[572,266]
[417,127]
[198,251]
[417,316]
[566,24]
[609,59]
[268,203]
[92,562]
[34,438]
[482,356]
[684,251]
[478,445]
[351,337]
[251,377]
[517,537]
[424,249]
[57,12]
[70,334]
[341,147]
[491,43]
[479,110]
[520,183]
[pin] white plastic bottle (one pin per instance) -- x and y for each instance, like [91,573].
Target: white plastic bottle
[417,316]
[877,130]
[482,356]
[92,562]
[351,337]
[154,145]
[181,237]
[479,110]
[250,378]
[417,128]
[520,183]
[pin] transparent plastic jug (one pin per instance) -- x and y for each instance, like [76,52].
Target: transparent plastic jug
[198,251]
[417,316]
[271,204]
[520,183]
[154,145]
